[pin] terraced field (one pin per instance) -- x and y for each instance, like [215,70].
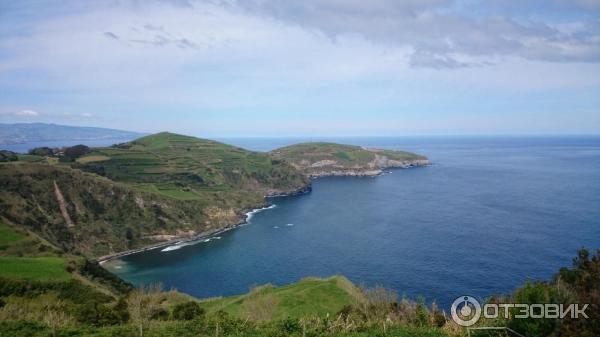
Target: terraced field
[34,268]
[187,168]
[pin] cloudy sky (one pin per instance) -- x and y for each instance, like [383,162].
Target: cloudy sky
[312,67]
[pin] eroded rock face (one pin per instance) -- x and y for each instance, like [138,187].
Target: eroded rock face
[330,159]
[375,167]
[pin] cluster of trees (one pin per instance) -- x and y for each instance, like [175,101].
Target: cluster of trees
[66,154]
[6,156]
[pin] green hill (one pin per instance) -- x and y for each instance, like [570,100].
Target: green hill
[324,159]
[186,168]
[310,296]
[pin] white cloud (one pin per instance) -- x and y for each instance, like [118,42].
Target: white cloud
[27,113]
[281,56]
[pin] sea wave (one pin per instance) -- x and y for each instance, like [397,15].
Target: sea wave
[250,214]
[182,244]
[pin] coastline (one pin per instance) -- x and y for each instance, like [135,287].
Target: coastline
[202,236]
[249,213]
[205,235]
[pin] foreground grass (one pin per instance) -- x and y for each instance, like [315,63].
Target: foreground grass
[310,296]
[203,327]
[34,268]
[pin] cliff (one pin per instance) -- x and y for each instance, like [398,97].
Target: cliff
[330,159]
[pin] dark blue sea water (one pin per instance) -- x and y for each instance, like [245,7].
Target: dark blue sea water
[488,215]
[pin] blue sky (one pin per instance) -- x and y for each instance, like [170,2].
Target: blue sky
[223,68]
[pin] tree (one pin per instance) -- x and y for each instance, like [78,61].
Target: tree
[74,152]
[42,151]
[143,303]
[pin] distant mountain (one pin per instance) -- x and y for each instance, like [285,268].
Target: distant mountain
[41,132]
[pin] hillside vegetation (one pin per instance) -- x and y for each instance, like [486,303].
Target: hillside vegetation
[325,159]
[156,188]
[88,214]
[162,187]
[190,168]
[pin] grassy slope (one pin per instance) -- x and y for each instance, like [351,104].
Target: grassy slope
[342,156]
[25,256]
[34,268]
[311,296]
[34,274]
[9,237]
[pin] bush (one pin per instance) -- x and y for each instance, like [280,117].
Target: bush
[531,293]
[42,151]
[74,152]
[187,311]
[8,156]
[23,329]
[290,325]
[97,314]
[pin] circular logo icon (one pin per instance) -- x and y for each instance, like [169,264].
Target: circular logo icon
[465,310]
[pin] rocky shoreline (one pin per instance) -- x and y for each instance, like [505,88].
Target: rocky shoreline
[361,172]
[206,235]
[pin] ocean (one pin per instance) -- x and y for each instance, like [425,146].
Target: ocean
[490,214]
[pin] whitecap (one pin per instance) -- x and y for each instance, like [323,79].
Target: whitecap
[182,244]
[250,214]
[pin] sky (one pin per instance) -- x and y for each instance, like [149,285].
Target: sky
[226,68]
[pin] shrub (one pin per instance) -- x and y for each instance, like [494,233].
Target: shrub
[531,293]
[42,151]
[290,325]
[23,329]
[187,311]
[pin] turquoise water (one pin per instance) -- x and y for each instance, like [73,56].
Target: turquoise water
[490,214]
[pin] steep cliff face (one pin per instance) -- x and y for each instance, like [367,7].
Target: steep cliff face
[82,212]
[329,159]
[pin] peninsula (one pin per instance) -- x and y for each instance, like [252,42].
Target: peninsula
[165,187]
